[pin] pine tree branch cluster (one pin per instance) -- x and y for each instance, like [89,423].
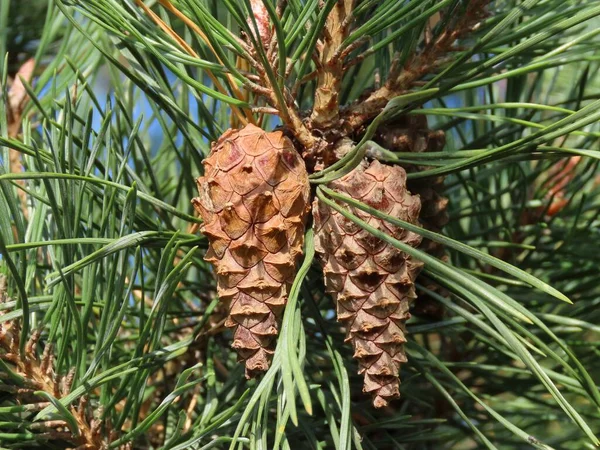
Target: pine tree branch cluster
[328,122]
[238,226]
[122,332]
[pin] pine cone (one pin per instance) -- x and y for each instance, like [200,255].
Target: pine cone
[254,199]
[372,281]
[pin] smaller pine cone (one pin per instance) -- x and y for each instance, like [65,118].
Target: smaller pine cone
[254,199]
[371,281]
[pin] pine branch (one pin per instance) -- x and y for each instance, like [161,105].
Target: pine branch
[401,79]
[120,294]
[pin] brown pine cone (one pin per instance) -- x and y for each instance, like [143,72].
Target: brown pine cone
[254,199]
[372,281]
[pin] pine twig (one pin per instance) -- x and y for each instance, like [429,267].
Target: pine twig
[428,60]
[325,113]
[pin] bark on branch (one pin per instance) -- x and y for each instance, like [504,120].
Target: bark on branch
[326,111]
[429,59]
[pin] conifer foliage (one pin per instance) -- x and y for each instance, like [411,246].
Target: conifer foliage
[391,239]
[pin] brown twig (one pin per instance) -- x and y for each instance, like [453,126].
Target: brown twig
[428,60]
[343,52]
[559,177]
[259,89]
[326,111]
[190,409]
[265,110]
[288,112]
